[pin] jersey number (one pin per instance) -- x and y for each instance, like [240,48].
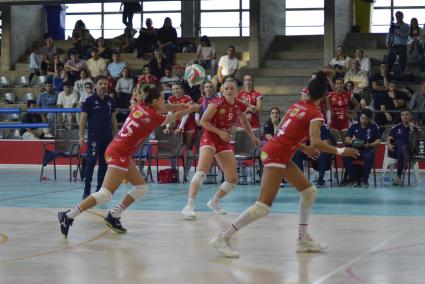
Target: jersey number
[128,128]
[282,129]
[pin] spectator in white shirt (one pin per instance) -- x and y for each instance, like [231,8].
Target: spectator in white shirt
[206,55]
[228,65]
[67,99]
[363,60]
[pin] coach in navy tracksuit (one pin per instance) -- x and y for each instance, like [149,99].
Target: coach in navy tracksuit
[398,141]
[98,111]
[365,134]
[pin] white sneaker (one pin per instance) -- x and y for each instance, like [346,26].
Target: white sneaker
[215,207]
[222,245]
[310,245]
[189,212]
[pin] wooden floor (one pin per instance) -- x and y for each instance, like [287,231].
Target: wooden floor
[375,235]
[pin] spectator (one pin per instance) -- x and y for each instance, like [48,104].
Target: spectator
[364,136]
[158,63]
[58,81]
[169,77]
[339,103]
[35,61]
[47,52]
[48,99]
[96,64]
[116,66]
[147,78]
[417,104]
[392,100]
[166,90]
[146,40]
[367,101]
[98,112]
[323,161]
[67,99]
[82,40]
[127,41]
[130,7]
[29,117]
[105,51]
[228,65]
[124,88]
[341,62]
[271,127]
[55,67]
[138,96]
[167,39]
[253,100]
[364,61]
[206,55]
[209,95]
[398,141]
[397,39]
[380,82]
[358,77]
[414,45]
[111,83]
[79,85]
[74,66]
[88,90]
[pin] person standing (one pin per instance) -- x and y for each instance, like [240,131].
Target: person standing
[253,100]
[396,41]
[98,112]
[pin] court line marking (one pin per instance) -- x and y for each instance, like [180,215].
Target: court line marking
[4,238]
[349,263]
[48,252]
[38,194]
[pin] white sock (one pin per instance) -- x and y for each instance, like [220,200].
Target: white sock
[304,217]
[191,202]
[302,231]
[74,212]
[216,198]
[244,219]
[118,210]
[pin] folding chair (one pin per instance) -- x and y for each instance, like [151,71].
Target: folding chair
[65,146]
[4,81]
[390,162]
[21,81]
[416,154]
[245,150]
[169,147]
[142,155]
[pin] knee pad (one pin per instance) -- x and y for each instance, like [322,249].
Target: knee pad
[138,191]
[102,196]
[227,186]
[308,196]
[258,210]
[198,178]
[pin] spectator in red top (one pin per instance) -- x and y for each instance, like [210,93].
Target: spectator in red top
[147,78]
[252,99]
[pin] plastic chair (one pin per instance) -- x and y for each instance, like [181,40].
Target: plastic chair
[416,154]
[245,150]
[21,81]
[66,145]
[38,81]
[143,154]
[4,81]
[169,147]
[390,162]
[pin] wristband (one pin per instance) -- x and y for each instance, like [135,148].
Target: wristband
[340,151]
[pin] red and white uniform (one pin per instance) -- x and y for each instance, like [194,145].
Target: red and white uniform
[339,104]
[294,130]
[190,125]
[223,119]
[322,104]
[139,124]
[253,117]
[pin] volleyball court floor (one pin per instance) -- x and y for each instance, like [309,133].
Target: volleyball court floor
[375,235]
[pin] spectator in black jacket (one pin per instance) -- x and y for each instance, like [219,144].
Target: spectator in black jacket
[167,39]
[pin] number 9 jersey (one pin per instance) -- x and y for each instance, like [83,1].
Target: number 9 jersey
[293,132]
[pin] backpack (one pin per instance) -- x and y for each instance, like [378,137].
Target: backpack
[168,176]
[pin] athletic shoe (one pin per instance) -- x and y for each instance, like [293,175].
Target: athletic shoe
[320,183]
[115,224]
[365,184]
[222,245]
[189,212]
[65,222]
[215,207]
[310,245]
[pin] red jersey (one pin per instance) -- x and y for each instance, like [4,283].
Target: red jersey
[339,104]
[252,98]
[141,121]
[225,116]
[147,79]
[204,102]
[190,123]
[293,131]
[322,104]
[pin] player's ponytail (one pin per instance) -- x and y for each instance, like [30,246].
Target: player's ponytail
[152,94]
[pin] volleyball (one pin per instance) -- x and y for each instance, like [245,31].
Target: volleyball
[194,74]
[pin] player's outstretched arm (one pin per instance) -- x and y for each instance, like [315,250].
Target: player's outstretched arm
[248,129]
[322,146]
[176,107]
[178,114]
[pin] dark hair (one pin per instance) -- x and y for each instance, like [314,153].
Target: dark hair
[146,89]
[206,40]
[34,47]
[321,77]
[88,84]
[152,94]
[231,46]
[146,65]
[100,77]
[168,67]
[66,83]
[367,112]
[31,102]
[116,52]
[47,36]
[405,109]
[276,108]
[316,89]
